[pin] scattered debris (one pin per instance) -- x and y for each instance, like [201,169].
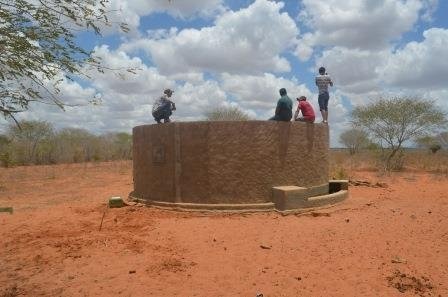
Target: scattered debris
[10,292]
[403,283]
[399,260]
[265,247]
[7,209]
[319,214]
[363,183]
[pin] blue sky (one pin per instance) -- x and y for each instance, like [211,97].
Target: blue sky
[238,52]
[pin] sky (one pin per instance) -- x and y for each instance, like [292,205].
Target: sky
[216,53]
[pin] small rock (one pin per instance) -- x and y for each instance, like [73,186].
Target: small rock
[265,247]
[398,260]
[298,278]
[132,271]
[430,212]
[413,216]
[347,220]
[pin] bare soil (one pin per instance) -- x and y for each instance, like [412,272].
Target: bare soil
[390,238]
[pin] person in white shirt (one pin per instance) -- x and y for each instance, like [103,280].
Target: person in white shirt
[323,80]
[163,107]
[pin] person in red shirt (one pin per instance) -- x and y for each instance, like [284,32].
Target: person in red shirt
[307,111]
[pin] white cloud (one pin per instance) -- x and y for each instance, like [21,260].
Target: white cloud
[304,49]
[430,6]
[363,24]
[420,64]
[353,70]
[147,80]
[130,12]
[259,94]
[246,41]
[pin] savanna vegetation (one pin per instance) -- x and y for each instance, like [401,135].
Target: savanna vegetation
[38,142]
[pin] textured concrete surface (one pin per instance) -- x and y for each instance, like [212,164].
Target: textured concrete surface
[227,162]
[293,197]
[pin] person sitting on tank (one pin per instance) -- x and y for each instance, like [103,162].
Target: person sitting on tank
[283,111]
[163,107]
[307,111]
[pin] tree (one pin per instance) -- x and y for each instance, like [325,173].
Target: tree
[354,139]
[38,48]
[122,143]
[231,113]
[31,141]
[5,151]
[429,142]
[443,139]
[74,145]
[395,120]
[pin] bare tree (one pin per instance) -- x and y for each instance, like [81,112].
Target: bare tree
[395,120]
[354,139]
[443,139]
[227,114]
[31,141]
[429,142]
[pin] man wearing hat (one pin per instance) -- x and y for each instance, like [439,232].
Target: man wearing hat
[307,111]
[163,107]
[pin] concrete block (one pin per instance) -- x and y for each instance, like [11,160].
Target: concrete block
[327,199]
[318,190]
[116,202]
[338,185]
[289,197]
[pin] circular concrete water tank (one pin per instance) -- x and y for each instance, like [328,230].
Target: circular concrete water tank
[227,162]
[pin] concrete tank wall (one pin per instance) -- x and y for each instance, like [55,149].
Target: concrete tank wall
[227,162]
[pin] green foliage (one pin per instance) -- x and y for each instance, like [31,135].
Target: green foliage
[443,139]
[37,142]
[395,120]
[231,113]
[30,140]
[354,140]
[429,142]
[38,47]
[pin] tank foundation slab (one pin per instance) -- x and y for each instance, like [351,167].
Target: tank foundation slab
[284,199]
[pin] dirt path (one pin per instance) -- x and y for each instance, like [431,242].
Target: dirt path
[382,241]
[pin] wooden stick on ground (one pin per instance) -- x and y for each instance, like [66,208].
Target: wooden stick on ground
[104,214]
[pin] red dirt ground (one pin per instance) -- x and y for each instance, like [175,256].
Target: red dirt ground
[382,241]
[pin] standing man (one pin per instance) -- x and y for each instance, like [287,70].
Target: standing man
[163,107]
[283,111]
[307,111]
[322,82]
